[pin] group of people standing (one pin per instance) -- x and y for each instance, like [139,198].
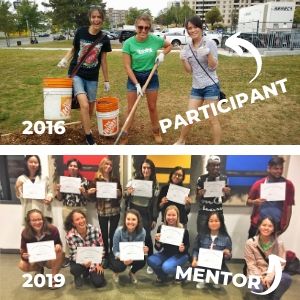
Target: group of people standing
[199,58]
[269,219]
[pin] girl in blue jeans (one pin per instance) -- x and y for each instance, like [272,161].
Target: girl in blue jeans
[165,262]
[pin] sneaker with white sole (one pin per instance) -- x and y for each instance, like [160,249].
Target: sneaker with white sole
[216,286]
[132,277]
[149,270]
[200,285]
[89,139]
[115,277]
[179,142]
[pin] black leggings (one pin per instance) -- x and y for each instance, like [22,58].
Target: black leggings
[108,233]
[118,266]
[79,270]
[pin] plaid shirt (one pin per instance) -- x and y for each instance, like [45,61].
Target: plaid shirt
[93,239]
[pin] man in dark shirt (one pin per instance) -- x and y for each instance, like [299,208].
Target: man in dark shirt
[210,204]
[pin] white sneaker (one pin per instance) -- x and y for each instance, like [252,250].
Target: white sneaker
[133,277]
[149,270]
[115,277]
[216,286]
[200,285]
[179,142]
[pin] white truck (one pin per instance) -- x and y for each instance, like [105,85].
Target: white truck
[179,36]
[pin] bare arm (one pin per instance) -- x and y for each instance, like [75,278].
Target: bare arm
[127,65]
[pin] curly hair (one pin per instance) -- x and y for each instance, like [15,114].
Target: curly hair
[68,224]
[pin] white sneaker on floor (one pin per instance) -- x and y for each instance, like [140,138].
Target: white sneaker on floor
[200,285]
[149,270]
[115,277]
[216,286]
[132,277]
[179,142]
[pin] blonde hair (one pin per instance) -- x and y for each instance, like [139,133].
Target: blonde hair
[178,224]
[99,173]
[145,18]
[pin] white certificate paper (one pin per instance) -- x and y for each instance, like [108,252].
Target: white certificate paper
[107,190]
[177,193]
[34,190]
[41,251]
[70,184]
[214,188]
[273,191]
[89,254]
[171,235]
[210,258]
[142,188]
[131,251]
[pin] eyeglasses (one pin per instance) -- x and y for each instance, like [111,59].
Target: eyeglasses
[141,28]
[178,175]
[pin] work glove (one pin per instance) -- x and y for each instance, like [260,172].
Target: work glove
[160,58]
[139,89]
[203,51]
[63,63]
[106,86]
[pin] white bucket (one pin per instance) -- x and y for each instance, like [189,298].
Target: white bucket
[57,103]
[108,123]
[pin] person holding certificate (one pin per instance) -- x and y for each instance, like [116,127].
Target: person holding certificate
[257,251]
[33,190]
[75,198]
[108,193]
[170,256]
[279,208]
[37,229]
[131,231]
[146,206]
[214,237]
[176,177]
[213,184]
[81,234]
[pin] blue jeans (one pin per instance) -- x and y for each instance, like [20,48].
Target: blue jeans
[284,284]
[165,266]
[142,78]
[211,92]
[83,86]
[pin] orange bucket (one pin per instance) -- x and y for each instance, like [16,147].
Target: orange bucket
[107,112]
[57,98]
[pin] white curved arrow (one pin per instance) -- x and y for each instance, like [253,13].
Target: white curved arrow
[274,266]
[234,43]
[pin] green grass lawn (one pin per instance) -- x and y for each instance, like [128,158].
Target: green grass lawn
[274,121]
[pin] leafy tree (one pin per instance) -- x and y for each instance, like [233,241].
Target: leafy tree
[213,16]
[7,20]
[297,15]
[234,19]
[71,13]
[133,13]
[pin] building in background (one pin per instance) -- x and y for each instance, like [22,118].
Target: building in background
[116,17]
[173,3]
[226,7]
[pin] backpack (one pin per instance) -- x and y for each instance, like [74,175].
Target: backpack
[292,265]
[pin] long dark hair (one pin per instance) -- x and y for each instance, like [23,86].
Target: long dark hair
[29,232]
[178,168]
[138,215]
[274,233]
[26,170]
[68,224]
[196,21]
[153,171]
[220,216]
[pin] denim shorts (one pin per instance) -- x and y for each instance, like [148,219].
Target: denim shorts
[142,78]
[83,86]
[211,92]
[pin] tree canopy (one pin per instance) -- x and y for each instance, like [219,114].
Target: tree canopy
[133,13]
[213,16]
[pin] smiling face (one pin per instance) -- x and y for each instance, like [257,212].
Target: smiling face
[146,170]
[36,221]
[131,222]
[177,177]
[214,223]
[79,221]
[73,169]
[194,31]
[266,228]
[275,172]
[96,20]
[107,167]
[33,165]
[142,28]
[171,217]
[213,169]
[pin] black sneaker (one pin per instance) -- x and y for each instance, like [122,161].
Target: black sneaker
[105,263]
[89,139]
[78,280]
[66,262]
[41,271]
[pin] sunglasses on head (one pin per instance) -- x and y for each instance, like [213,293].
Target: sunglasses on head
[140,28]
